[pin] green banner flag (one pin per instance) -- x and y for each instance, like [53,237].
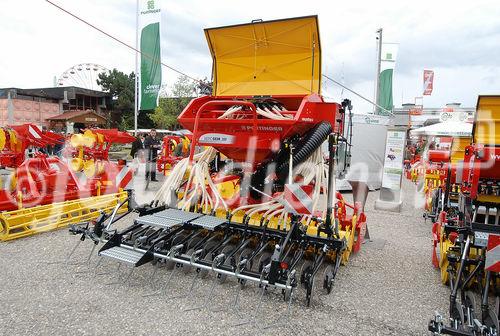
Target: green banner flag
[385,93]
[150,64]
[388,62]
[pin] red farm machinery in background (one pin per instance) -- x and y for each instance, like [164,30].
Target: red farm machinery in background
[467,234]
[175,147]
[32,180]
[88,154]
[42,192]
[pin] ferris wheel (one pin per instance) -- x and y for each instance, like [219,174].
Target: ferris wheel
[83,75]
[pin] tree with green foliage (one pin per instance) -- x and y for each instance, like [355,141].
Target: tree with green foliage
[121,86]
[171,105]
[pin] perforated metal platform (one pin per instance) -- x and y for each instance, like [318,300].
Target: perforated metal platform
[176,214]
[123,254]
[169,218]
[161,222]
[208,222]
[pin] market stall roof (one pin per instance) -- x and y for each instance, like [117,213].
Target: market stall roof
[448,128]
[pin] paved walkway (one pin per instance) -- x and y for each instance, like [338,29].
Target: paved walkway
[389,288]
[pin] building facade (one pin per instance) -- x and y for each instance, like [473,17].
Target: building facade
[38,106]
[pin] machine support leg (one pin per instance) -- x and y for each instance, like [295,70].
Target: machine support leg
[330,221]
[453,296]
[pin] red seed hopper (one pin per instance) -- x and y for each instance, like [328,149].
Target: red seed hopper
[261,95]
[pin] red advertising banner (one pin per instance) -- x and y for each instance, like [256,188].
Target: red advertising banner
[428,82]
[417,110]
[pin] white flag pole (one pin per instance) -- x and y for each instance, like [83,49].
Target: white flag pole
[136,107]
[377,78]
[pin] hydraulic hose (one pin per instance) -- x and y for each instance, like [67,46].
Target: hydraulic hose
[303,149]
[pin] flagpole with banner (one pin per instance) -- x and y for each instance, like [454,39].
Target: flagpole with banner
[377,74]
[136,84]
[387,65]
[150,77]
[148,74]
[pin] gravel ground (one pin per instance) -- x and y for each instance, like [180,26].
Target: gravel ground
[389,288]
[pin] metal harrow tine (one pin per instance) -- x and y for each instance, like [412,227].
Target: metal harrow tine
[288,314]
[153,275]
[194,256]
[234,302]
[87,262]
[90,254]
[224,308]
[129,276]
[264,287]
[239,286]
[66,261]
[207,299]
[68,257]
[163,289]
[218,260]
[119,275]
[253,319]
[189,290]
[99,262]
[237,296]
[171,253]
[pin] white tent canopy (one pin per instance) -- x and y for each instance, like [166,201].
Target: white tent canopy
[448,128]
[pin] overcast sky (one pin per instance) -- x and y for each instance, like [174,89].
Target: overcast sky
[460,41]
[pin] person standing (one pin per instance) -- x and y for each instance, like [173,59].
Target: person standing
[152,144]
[138,146]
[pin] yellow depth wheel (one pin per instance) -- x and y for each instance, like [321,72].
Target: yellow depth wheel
[76,140]
[89,138]
[3,230]
[100,138]
[89,168]
[185,144]
[173,145]
[76,164]
[444,246]
[12,140]
[349,235]
[2,139]
[13,181]
[443,266]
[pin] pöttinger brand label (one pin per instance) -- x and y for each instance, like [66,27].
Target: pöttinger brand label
[217,138]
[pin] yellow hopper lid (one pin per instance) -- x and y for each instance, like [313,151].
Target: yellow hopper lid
[486,128]
[280,57]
